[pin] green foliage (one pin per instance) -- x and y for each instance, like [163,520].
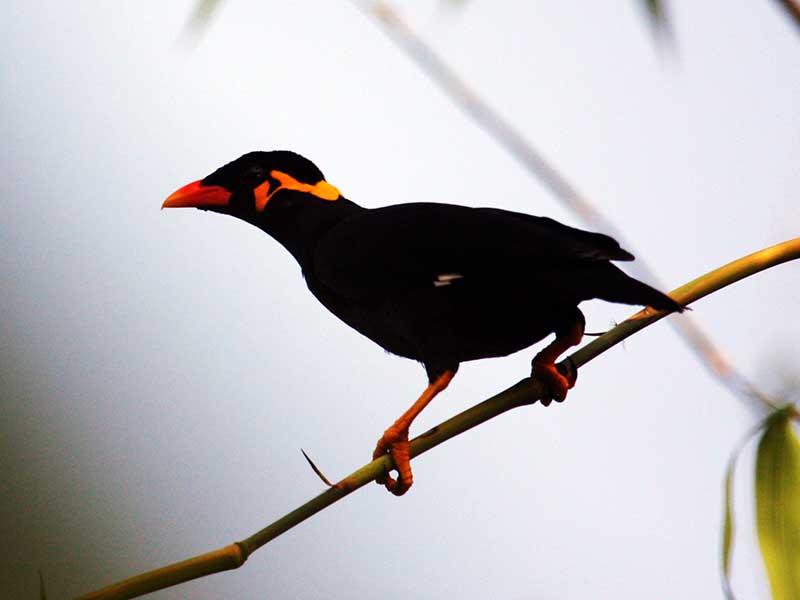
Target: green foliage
[727,525]
[778,504]
[655,9]
[203,13]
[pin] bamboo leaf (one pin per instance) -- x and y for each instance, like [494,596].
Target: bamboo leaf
[792,8]
[204,11]
[659,20]
[655,8]
[778,504]
[727,527]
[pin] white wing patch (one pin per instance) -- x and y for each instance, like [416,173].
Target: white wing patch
[446,279]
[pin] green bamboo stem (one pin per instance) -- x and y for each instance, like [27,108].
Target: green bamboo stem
[526,391]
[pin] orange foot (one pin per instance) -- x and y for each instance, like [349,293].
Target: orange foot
[543,364]
[557,383]
[395,441]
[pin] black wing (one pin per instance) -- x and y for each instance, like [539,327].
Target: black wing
[422,244]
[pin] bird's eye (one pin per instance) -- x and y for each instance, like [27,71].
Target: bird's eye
[252,177]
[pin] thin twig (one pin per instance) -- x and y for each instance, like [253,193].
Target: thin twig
[522,393]
[533,161]
[319,473]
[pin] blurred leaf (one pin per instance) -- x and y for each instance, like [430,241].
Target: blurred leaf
[778,504]
[203,13]
[727,526]
[42,591]
[655,8]
[792,8]
[659,19]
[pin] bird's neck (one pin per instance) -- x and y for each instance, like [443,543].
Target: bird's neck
[298,226]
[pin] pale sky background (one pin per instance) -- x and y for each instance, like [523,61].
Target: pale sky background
[160,371]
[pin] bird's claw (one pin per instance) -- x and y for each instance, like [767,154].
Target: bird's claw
[557,380]
[568,369]
[395,443]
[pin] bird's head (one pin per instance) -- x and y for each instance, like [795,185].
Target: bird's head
[254,183]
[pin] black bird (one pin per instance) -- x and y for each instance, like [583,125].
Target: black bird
[436,283]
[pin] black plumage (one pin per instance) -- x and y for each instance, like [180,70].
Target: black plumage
[437,283]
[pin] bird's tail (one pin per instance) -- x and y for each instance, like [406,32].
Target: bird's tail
[616,286]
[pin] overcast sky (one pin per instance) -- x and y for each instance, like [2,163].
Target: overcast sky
[160,371]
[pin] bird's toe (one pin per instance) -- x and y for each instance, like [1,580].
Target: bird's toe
[556,384]
[395,443]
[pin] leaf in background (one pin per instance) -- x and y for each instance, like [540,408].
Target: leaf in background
[659,20]
[792,8]
[778,504]
[656,10]
[201,17]
[727,527]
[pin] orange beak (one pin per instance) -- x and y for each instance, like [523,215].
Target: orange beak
[197,195]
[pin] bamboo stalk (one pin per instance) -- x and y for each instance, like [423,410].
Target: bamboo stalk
[526,391]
